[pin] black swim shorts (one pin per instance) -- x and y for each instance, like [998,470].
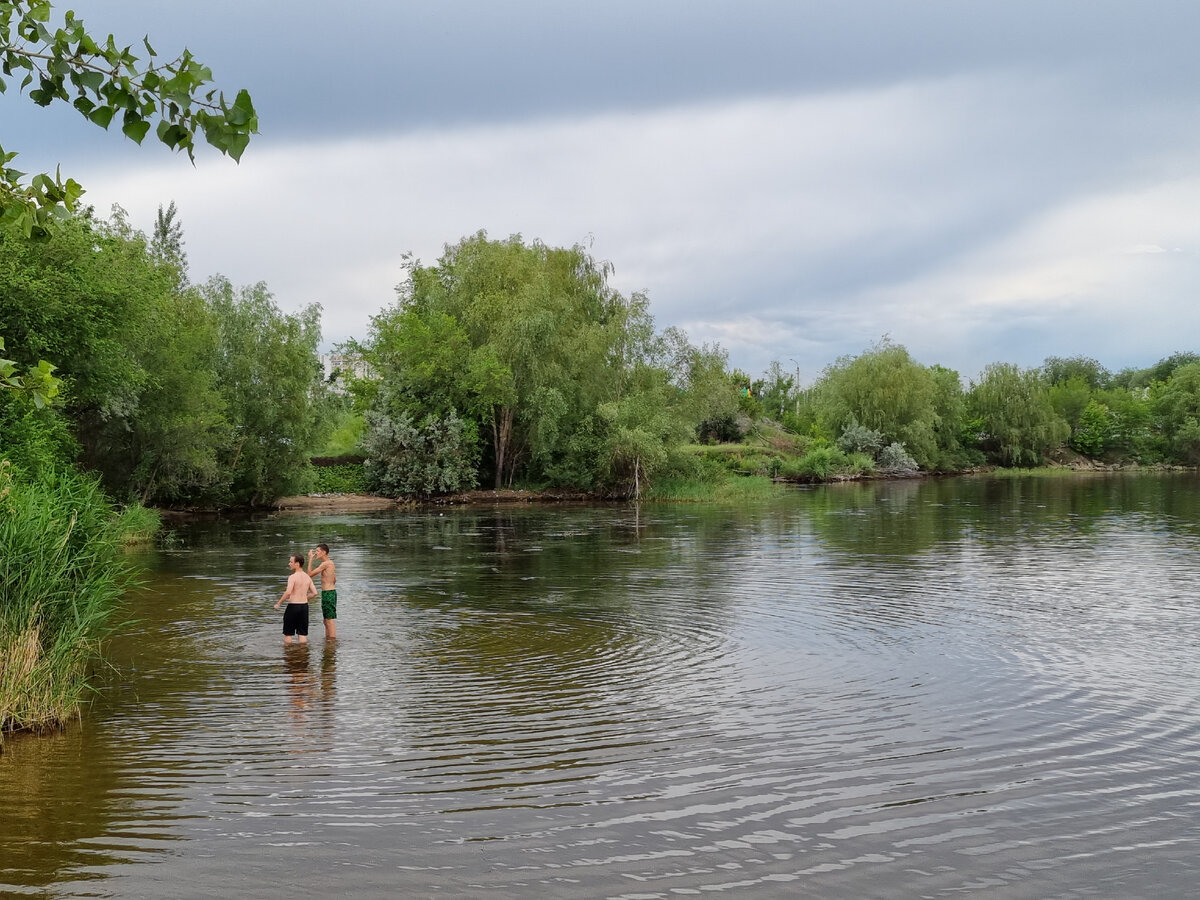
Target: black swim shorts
[295,619]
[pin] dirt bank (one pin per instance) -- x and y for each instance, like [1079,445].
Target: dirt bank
[367,502]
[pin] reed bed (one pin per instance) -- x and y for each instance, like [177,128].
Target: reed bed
[62,576]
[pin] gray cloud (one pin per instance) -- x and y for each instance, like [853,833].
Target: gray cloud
[794,180]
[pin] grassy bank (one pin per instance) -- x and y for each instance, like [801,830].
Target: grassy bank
[62,576]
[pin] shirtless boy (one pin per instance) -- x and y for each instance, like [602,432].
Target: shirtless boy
[328,571]
[300,589]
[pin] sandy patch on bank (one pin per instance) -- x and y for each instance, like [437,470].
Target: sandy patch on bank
[336,502]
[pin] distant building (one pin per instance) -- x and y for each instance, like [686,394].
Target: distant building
[338,367]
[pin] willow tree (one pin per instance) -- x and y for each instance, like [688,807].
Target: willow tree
[1018,424]
[526,339]
[885,390]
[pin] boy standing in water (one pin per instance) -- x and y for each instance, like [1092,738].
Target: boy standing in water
[300,589]
[328,571]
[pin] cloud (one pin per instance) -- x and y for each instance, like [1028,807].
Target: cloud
[971,218]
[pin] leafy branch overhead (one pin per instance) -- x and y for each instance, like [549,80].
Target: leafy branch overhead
[105,82]
[38,382]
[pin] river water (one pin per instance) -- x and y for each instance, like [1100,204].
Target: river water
[919,689]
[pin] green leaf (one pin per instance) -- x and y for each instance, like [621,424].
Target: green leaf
[135,129]
[102,115]
[92,80]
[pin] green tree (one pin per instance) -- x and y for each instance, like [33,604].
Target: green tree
[269,376]
[775,389]
[525,339]
[1093,430]
[1058,370]
[1177,403]
[1018,424]
[884,390]
[103,81]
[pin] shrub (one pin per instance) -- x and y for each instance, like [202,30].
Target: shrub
[438,455]
[860,439]
[817,464]
[895,459]
[350,478]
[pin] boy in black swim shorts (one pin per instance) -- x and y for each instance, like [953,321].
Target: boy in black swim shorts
[300,589]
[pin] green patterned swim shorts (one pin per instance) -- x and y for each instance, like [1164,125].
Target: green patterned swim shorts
[328,604]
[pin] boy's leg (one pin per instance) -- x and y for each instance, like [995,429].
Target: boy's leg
[331,628]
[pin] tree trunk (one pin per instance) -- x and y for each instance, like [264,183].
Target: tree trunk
[502,421]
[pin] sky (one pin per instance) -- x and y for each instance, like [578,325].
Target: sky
[980,182]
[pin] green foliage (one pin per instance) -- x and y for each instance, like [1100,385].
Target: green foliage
[775,391]
[1018,424]
[818,464]
[1091,434]
[1083,369]
[38,381]
[859,439]
[61,577]
[346,427]
[1161,371]
[1177,403]
[528,343]
[269,377]
[1070,398]
[895,459]
[102,80]
[138,524]
[349,478]
[437,455]
[885,390]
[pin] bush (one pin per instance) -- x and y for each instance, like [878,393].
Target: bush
[348,478]
[61,578]
[438,455]
[895,459]
[860,439]
[817,464]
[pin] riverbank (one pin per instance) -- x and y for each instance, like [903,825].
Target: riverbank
[370,502]
[733,488]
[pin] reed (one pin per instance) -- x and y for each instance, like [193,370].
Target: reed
[61,579]
[138,524]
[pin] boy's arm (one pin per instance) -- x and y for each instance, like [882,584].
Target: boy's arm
[314,570]
[287,593]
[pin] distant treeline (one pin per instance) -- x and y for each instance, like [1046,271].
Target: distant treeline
[504,363]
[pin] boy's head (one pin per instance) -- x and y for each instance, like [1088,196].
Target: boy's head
[296,560]
[323,549]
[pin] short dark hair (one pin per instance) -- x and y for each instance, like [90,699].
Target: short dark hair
[324,548]
[296,557]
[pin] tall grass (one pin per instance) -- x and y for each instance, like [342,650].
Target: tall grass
[61,578]
[138,524]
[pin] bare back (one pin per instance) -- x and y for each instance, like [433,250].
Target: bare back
[300,587]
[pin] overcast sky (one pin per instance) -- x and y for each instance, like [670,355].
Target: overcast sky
[981,182]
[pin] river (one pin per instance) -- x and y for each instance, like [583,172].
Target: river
[929,688]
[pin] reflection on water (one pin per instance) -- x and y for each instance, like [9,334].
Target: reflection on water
[922,688]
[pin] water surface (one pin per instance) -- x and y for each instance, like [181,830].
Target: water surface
[925,689]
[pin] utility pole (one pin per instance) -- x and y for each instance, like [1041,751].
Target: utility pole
[796,386]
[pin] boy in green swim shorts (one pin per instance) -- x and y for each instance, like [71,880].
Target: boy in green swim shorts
[324,567]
